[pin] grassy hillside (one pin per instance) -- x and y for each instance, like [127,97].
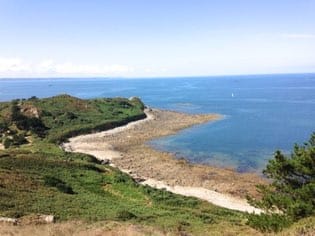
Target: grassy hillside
[74,186]
[36,176]
[63,116]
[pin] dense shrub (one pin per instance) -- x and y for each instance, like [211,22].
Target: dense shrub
[121,178]
[3,127]
[125,215]
[15,111]
[70,115]
[31,124]
[292,190]
[57,183]
[23,122]
[33,98]
[269,222]
[7,142]
[63,134]
[137,102]
[19,139]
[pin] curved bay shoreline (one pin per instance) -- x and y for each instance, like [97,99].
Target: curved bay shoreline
[125,147]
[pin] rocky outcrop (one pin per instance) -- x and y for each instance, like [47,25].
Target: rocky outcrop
[30,111]
[9,220]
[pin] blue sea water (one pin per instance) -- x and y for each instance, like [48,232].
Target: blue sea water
[262,113]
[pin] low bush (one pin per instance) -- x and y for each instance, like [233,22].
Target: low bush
[269,222]
[125,215]
[7,142]
[57,183]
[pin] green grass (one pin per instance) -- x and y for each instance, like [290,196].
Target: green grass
[40,178]
[304,226]
[29,184]
[65,116]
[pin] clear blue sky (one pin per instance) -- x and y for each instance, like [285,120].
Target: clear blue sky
[145,38]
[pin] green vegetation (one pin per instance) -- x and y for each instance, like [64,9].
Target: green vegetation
[291,195]
[60,117]
[59,184]
[73,186]
[37,176]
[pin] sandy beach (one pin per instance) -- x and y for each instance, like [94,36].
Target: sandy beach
[125,148]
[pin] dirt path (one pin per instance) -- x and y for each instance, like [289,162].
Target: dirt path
[126,149]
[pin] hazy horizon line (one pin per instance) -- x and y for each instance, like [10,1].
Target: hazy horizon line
[154,77]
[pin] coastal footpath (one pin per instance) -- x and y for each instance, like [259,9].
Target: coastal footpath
[126,148]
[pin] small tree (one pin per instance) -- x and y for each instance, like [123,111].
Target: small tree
[292,191]
[19,139]
[15,111]
[3,127]
[7,142]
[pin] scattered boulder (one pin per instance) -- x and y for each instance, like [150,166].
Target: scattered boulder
[105,162]
[132,98]
[48,218]
[37,219]
[8,220]
[139,179]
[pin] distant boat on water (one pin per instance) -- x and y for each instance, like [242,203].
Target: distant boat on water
[232,95]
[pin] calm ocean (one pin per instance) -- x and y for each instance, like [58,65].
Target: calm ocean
[262,113]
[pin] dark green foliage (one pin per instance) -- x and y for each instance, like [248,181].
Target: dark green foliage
[13,139]
[15,111]
[137,102]
[40,178]
[34,182]
[207,218]
[59,184]
[31,124]
[23,122]
[3,127]
[269,222]
[70,115]
[65,131]
[292,191]
[121,178]
[67,116]
[33,98]
[123,103]
[63,116]
[7,142]
[18,139]
[125,215]
[83,157]
[168,198]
